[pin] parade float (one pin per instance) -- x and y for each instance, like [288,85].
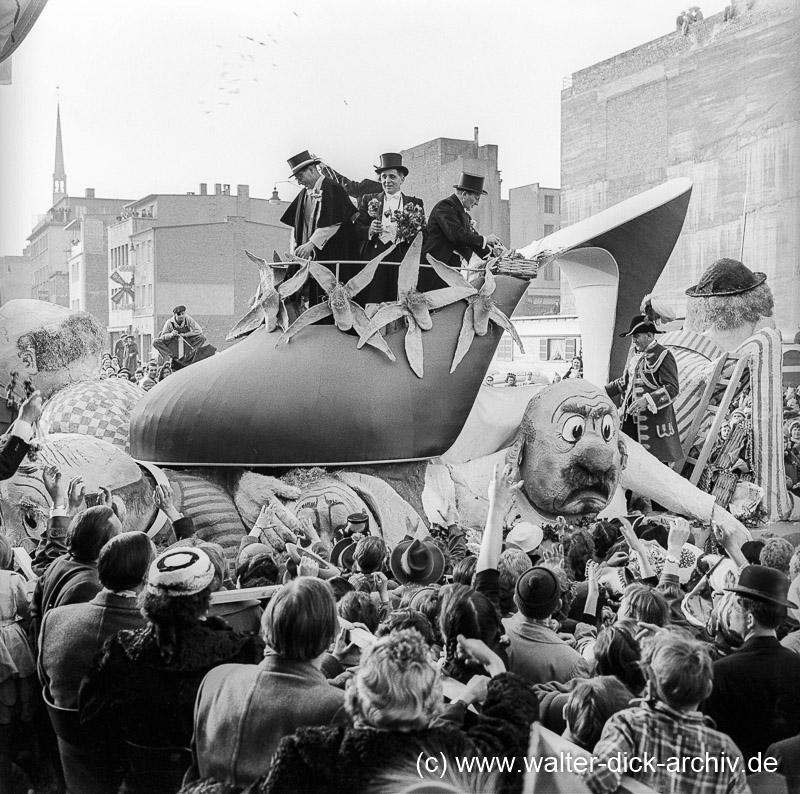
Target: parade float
[382,411]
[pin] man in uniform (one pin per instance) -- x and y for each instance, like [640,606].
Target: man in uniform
[647,390]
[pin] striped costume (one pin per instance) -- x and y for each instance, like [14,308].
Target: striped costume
[696,355]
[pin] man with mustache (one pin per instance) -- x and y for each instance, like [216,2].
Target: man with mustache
[569,451]
[647,390]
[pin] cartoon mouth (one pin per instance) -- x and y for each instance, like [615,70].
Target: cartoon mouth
[589,486]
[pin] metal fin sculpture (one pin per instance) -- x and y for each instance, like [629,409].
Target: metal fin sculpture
[347,314]
[416,306]
[267,304]
[481,309]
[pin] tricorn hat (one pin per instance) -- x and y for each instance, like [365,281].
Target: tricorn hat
[300,161]
[416,561]
[391,160]
[763,584]
[642,324]
[471,182]
[726,277]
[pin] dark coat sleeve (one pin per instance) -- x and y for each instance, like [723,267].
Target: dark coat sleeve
[455,229]
[12,451]
[363,220]
[52,544]
[336,205]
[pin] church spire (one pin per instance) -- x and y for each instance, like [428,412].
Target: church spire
[59,174]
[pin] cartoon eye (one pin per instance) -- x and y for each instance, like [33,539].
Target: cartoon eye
[607,427]
[573,429]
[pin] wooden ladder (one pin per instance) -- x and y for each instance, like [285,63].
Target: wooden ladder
[719,412]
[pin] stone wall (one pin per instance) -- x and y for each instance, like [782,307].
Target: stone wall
[720,106]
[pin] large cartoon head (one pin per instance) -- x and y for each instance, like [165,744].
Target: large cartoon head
[569,449]
[51,345]
[24,502]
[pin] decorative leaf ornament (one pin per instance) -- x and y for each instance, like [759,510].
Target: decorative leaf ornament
[347,314]
[416,306]
[267,304]
[480,311]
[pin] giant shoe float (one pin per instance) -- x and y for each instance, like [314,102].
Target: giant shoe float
[321,401]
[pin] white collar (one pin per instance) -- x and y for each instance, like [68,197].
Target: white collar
[318,184]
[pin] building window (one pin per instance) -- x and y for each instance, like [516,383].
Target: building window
[505,350]
[558,348]
[549,204]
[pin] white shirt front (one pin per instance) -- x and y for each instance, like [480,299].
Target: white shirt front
[390,205]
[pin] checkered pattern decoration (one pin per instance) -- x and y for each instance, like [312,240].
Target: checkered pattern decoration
[99,408]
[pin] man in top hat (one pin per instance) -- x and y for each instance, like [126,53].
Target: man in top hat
[375,233]
[646,390]
[450,235]
[756,694]
[321,216]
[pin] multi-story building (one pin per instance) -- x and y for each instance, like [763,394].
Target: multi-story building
[719,106]
[535,212]
[168,249]
[436,166]
[67,248]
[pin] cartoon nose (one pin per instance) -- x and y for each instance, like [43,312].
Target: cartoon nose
[596,455]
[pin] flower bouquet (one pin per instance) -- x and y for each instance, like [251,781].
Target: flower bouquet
[409,221]
[374,208]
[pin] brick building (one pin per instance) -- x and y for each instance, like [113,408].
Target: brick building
[535,212]
[719,106]
[188,249]
[435,166]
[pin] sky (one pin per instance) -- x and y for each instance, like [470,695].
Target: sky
[158,96]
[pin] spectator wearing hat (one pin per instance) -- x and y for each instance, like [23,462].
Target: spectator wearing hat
[321,216]
[416,562]
[243,711]
[536,652]
[450,236]
[181,338]
[756,694]
[130,353]
[527,537]
[646,391]
[376,232]
[143,685]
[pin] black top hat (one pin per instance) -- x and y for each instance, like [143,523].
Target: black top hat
[726,277]
[642,324]
[764,584]
[471,182]
[300,161]
[417,562]
[391,160]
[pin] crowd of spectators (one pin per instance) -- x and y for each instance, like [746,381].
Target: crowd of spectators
[145,376]
[636,636]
